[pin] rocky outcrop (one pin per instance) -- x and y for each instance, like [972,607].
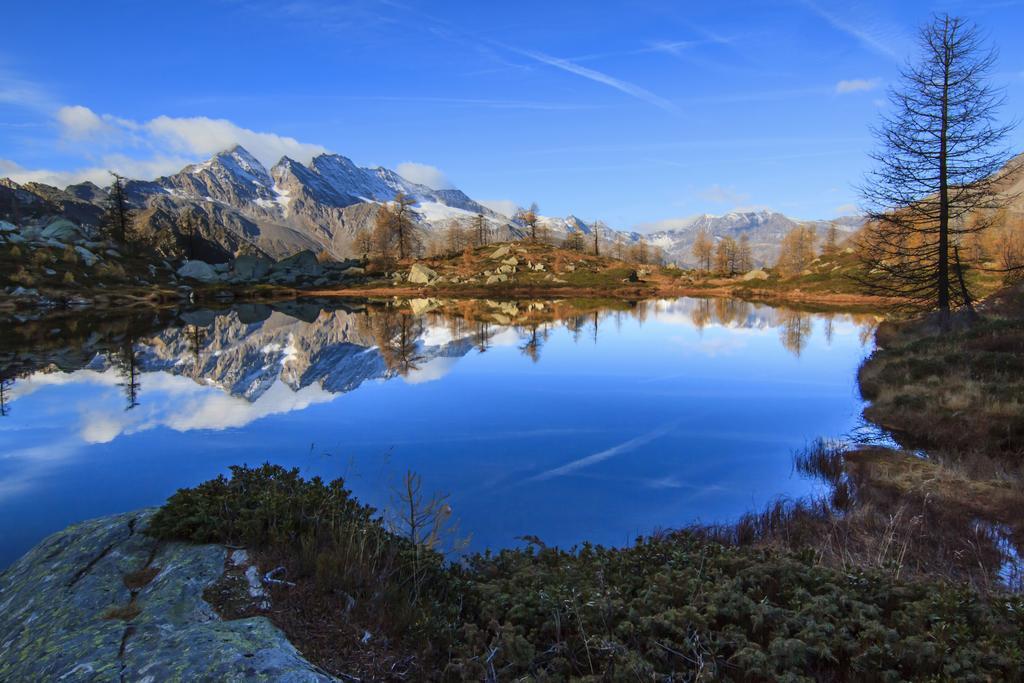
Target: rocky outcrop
[100,601]
[419,274]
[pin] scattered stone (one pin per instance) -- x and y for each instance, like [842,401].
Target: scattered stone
[88,258]
[198,270]
[756,274]
[62,230]
[421,275]
[495,279]
[500,253]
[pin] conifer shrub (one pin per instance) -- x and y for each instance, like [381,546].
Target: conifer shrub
[679,606]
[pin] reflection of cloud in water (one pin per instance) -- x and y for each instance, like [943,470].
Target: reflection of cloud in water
[711,347]
[432,370]
[601,456]
[176,402]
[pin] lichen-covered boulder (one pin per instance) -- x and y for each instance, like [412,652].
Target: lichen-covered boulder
[421,275]
[303,263]
[100,601]
[198,270]
[248,267]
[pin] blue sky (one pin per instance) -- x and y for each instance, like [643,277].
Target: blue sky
[637,113]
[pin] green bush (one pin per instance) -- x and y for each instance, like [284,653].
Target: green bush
[674,607]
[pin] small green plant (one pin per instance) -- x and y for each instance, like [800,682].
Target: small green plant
[678,606]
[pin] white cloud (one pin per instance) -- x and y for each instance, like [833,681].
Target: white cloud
[205,136]
[167,145]
[857,85]
[424,174]
[506,207]
[100,174]
[80,122]
[722,195]
[846,210]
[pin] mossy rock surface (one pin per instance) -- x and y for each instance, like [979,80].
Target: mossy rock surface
[66,613]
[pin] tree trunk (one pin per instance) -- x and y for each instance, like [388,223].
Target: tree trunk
[943,265]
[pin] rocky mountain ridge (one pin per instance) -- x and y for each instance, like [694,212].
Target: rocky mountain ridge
[240,206]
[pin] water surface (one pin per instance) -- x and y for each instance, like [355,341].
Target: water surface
[569,423]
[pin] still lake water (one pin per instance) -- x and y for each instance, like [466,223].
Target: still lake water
[566,423]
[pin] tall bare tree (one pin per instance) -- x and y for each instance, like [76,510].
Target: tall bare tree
[726,256]
[744,255]
[395,228]
[118,219]
[481,230]
[597,228]
[797,250]
[939,153]
[703,247]
[529,217]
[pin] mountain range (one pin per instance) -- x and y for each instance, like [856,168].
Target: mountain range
[242,207]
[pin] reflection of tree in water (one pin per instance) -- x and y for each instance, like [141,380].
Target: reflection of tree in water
[196,335]
[829,327]
[794,330]
[482,335]
[730,311]
[700,315]
[127,365]
[5,391]
[535,338]
[397,334]
[575,325]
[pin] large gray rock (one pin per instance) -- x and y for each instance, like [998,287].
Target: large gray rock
[62,230]
[251,267]
[756,274]
[421,275]
[198,270]
[56,624]
[303,263]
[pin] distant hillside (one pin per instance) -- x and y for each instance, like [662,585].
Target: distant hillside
[243,207]
[765,230]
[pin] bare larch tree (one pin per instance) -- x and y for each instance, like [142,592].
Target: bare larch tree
[940,151]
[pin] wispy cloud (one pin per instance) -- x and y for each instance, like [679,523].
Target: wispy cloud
[718,194]
[601,456]
[857,85]
[868,31]
[630,89]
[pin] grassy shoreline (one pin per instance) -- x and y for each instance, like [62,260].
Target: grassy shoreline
[897,573]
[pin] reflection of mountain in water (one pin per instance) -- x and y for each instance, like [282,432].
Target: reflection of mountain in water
[337,350]
[306,351]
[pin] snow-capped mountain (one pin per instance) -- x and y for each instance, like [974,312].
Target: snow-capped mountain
[240,206]
[765,230]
